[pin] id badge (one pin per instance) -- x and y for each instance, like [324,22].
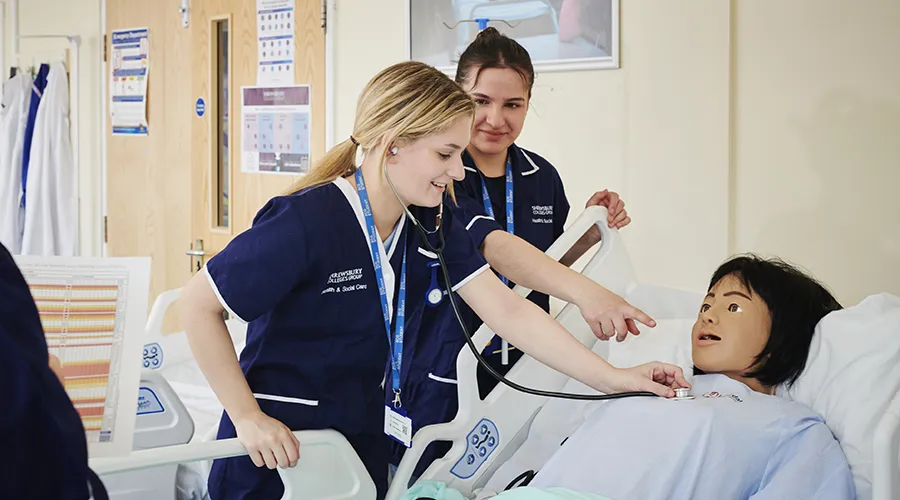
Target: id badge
[398,426]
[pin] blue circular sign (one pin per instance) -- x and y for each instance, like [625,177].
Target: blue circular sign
[201,106]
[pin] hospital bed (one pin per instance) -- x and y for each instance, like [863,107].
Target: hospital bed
[329,468]
[177,420]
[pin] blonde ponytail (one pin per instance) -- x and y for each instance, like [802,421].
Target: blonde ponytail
[403,103]
[337,162]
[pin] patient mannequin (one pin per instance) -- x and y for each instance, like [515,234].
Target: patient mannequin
[735,439]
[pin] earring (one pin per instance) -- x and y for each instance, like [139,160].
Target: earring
[394,151]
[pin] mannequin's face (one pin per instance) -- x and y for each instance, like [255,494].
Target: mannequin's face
[732,328]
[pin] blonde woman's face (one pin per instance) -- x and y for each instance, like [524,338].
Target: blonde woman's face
[423,170]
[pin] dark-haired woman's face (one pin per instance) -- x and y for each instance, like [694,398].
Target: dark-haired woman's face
[501,99]
[732,328]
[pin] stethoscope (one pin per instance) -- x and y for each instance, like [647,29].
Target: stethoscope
[439,252]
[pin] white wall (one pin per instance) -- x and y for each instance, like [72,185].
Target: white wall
[71,17]
[731,126]
[817,125]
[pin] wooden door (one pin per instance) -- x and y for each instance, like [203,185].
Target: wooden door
[149,177]
[180,188]
[225,57]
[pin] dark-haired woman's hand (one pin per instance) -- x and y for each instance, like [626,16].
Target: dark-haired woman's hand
[618,216]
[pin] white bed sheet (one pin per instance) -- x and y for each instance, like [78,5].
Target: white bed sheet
[559,418]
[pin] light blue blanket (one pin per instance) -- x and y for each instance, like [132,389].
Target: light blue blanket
[432,490]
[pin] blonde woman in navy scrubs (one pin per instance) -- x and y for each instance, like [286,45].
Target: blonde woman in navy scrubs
[331,276]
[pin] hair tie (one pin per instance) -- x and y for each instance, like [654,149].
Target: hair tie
[354,141]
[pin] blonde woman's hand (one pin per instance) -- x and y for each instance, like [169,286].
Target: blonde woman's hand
[659,378]
[268,441]
[609,315]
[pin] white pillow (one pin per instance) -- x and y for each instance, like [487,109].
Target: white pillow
[851,376]
[669,342]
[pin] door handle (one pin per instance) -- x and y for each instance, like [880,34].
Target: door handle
[196,252]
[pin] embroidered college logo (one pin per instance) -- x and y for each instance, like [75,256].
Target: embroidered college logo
[348,275]
[343,277]
[542,214]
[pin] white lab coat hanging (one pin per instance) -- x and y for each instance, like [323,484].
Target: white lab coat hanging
[13,115]
[51,210]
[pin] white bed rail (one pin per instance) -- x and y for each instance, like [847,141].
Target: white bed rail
[166,350]
[158,312]
[527,372]
[328,468]
[886,454]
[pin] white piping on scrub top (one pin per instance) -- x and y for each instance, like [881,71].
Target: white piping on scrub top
[283,399]
[432,376]
[533,164]
[428,254]
[471,277]
[219,296]
[472,222]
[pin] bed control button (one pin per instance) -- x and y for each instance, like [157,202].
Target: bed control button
[481,442]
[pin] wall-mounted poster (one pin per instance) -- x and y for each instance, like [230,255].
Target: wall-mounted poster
[560,35]
[276,128]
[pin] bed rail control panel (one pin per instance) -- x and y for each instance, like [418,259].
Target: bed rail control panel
[153,356]
[162,419]
[481,441]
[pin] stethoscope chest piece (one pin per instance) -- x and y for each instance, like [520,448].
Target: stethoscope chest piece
[683,393]
[434,295]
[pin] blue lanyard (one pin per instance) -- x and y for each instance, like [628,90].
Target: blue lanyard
[489,207]
[396,341]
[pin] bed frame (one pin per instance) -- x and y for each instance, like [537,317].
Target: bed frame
[329,468]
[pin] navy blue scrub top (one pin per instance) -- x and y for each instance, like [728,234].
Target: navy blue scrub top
[540,208]
[42,438]
[317,352]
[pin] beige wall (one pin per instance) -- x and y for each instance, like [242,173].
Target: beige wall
[71,17]
[734,126]
[817,124]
